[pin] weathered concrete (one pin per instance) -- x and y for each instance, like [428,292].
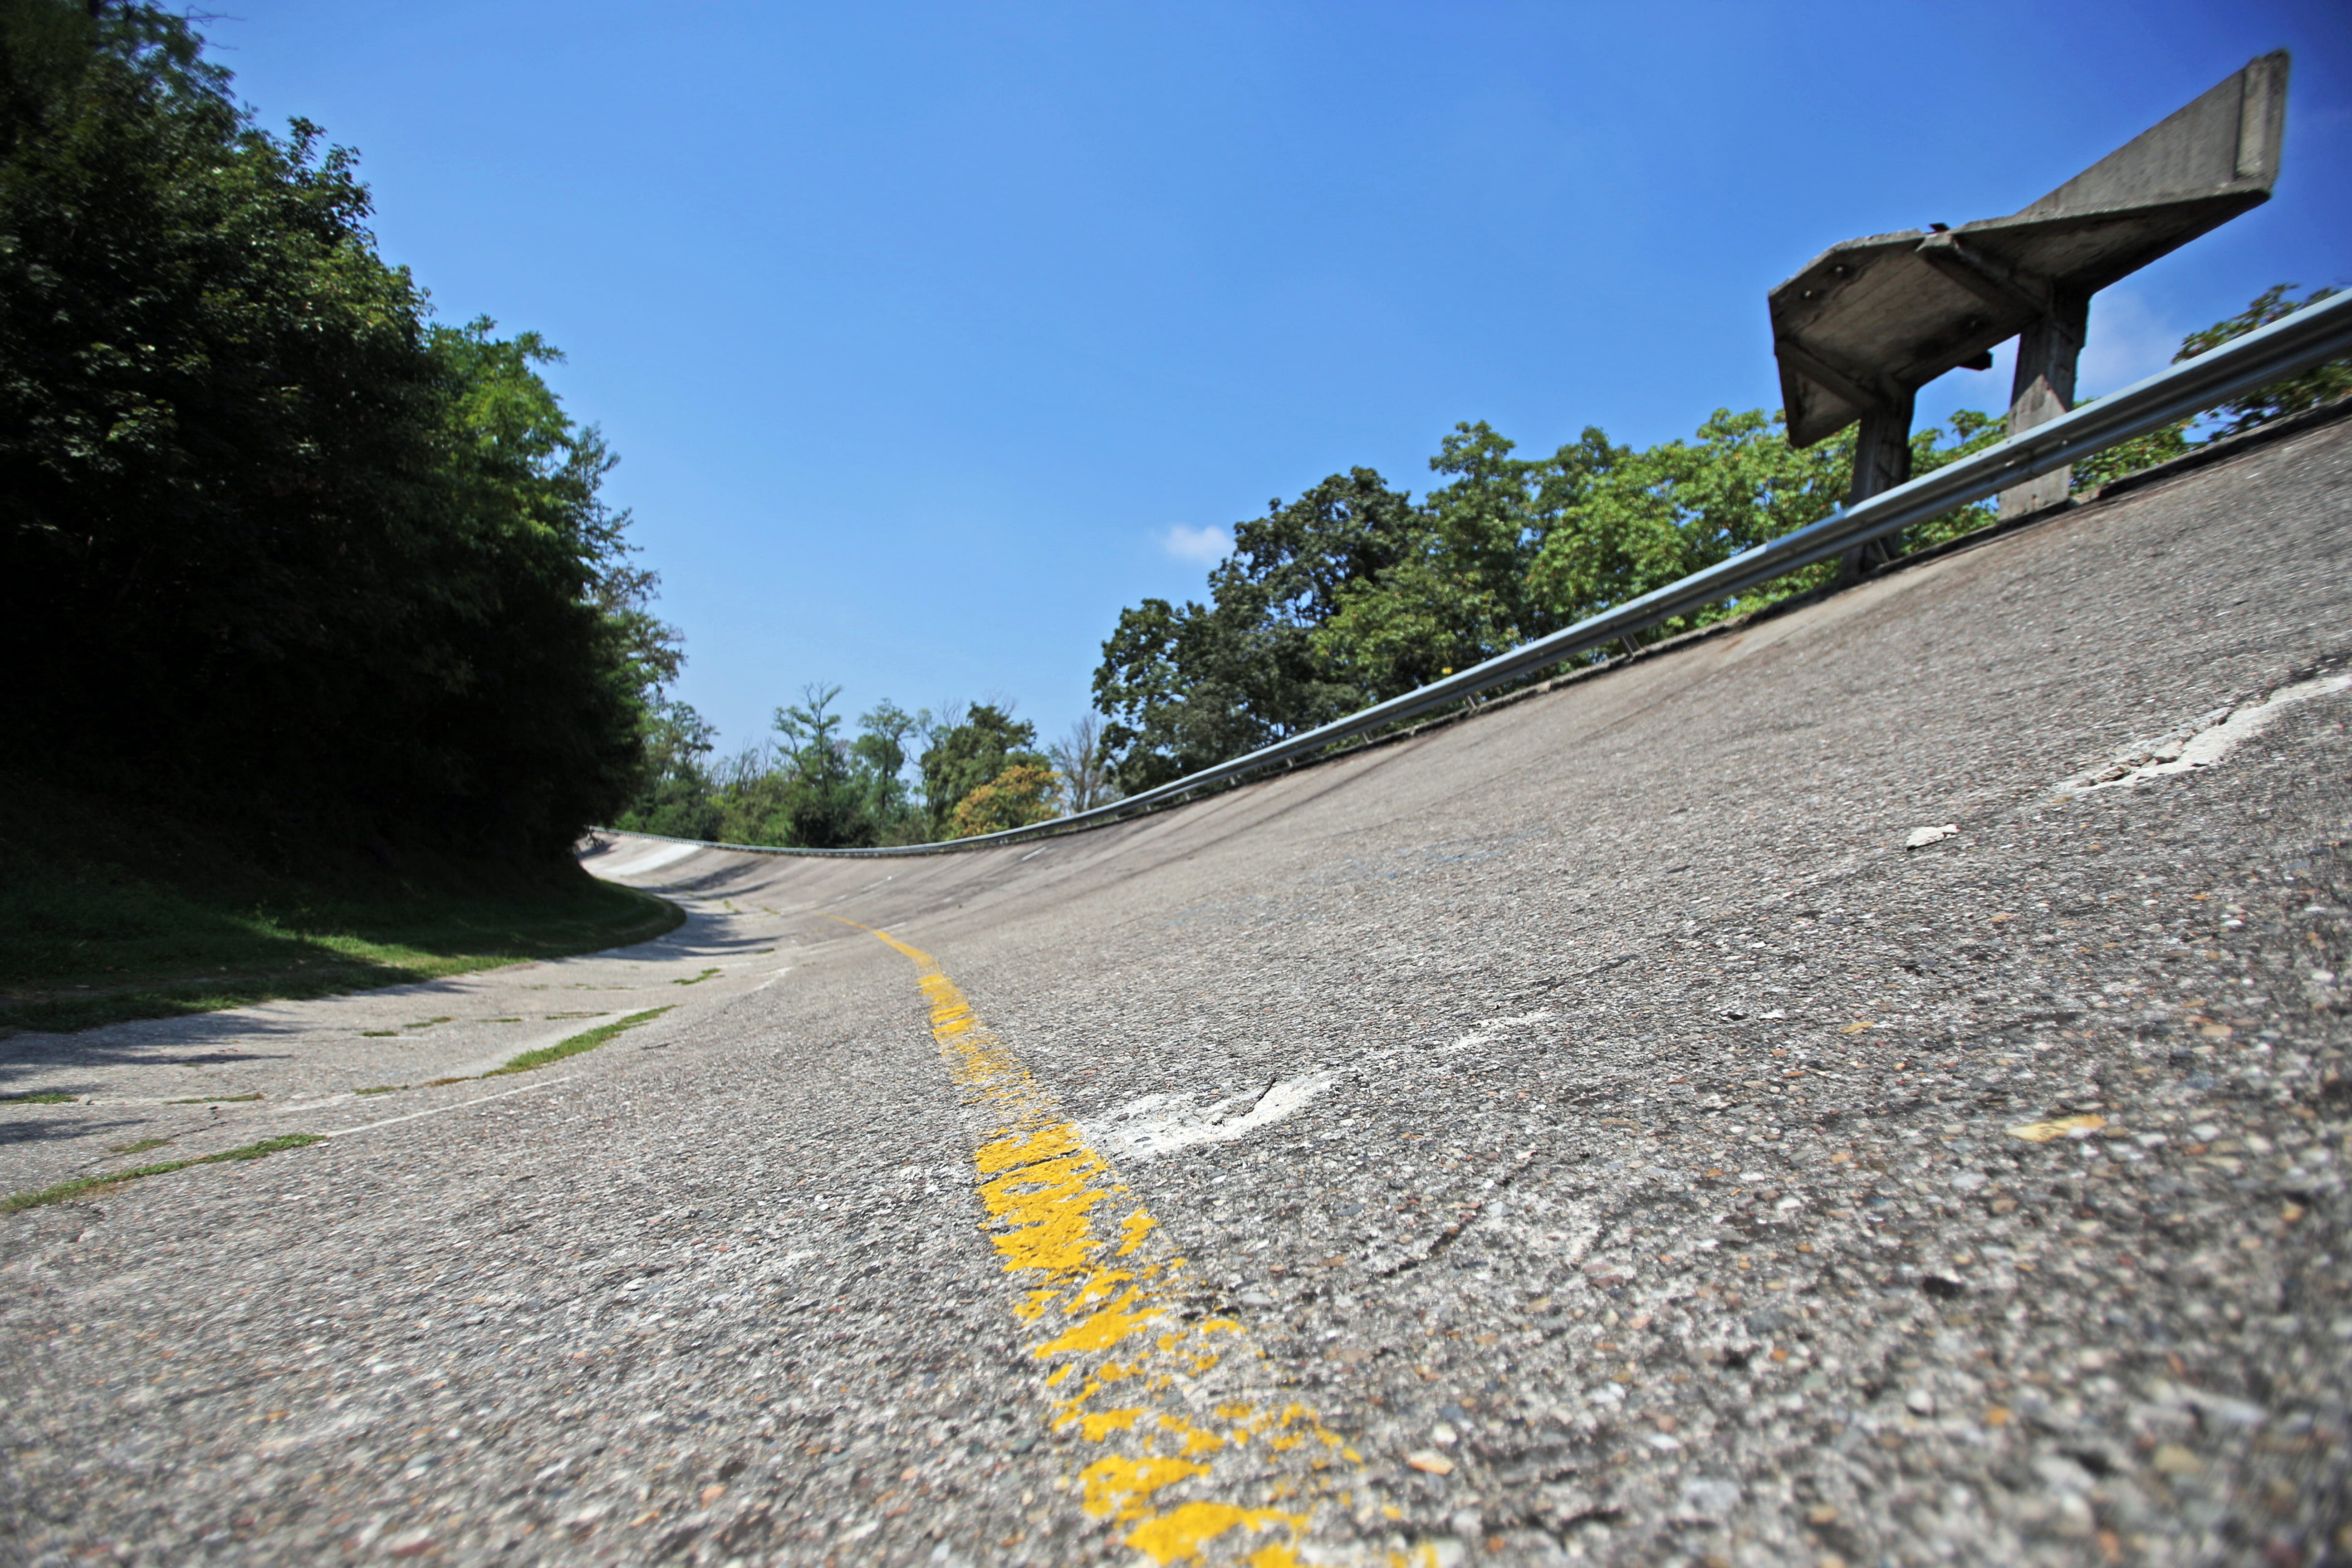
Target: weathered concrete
[1868,322]
[1590,1114]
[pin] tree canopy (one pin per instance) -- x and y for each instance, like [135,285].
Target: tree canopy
[272,540]
[1354,591]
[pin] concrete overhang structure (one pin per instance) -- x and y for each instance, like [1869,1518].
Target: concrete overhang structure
[1866,324]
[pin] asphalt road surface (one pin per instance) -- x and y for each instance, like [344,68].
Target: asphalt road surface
[1586,1131]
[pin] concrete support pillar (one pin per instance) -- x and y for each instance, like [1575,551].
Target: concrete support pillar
[2047,353]
[1881,460]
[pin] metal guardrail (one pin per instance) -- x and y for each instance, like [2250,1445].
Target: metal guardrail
[2312,336]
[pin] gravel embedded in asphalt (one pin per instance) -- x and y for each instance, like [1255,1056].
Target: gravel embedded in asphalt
[1592,1111]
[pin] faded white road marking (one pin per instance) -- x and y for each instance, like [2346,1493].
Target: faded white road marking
[650,862]
[1143,1129]
[1484,1033]
[436,1111]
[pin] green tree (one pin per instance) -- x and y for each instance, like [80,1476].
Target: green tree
[827,806]
[2293,395]
[752,787]
[546,656]
[880,755]
[1463,592]
[272,544]
[1184,687]
[1646,518]
[677,795]
[1649,517]
[1354,594]
[2321,383]
[972,753]
[2158,445]
[1026,791]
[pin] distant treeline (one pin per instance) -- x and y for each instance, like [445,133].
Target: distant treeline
[1353,593]
[1356,591]
[274,543]
[903,778]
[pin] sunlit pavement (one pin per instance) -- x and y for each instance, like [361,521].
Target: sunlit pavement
[1582,1131]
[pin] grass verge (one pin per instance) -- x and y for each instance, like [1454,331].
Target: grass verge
[588,1041]
[17,1202]
[108,914]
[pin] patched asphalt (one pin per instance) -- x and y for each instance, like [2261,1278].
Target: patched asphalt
[1591,1115]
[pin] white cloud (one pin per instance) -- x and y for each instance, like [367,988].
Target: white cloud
[1207,545]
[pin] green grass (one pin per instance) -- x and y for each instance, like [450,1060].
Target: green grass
[576,1043]
[140,1147]
[586,1041]
[109,912]
[63,1191]
[38,1096]
[697,979]
[216,1099]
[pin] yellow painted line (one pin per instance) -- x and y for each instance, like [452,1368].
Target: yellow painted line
[1190,1452]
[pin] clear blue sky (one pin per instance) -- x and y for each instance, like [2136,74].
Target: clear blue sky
[931,335]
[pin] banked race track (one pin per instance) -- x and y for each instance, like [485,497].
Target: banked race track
[1604,1129]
